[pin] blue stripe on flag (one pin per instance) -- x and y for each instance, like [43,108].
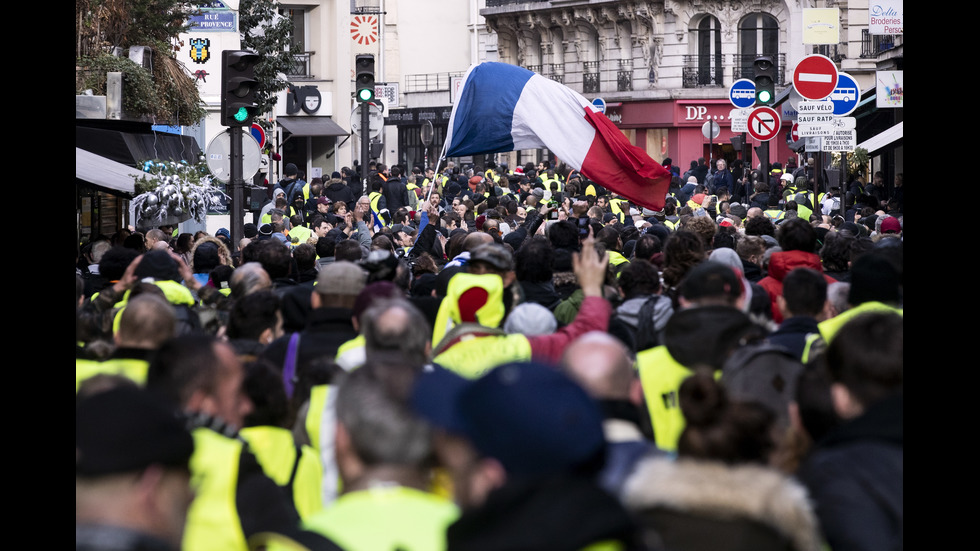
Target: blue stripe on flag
[484,113]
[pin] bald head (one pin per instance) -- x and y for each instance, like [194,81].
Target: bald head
[475,239]
[146,322]
[601,364]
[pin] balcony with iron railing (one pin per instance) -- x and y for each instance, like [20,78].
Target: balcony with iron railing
[744,69]
[498,3]
[873,45]
[590,77]
[836,52]
[624,76]
[429,82]
[702,72]
[300,66]
[555,71]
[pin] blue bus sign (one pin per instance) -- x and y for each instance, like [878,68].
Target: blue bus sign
[600,104]
[845,96]
[742,93]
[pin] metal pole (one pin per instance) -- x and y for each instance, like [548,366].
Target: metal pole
[237,187]
[764,159]
[365,145]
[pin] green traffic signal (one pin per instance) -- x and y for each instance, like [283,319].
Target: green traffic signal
[238,87]
[365,95]
[764,69]
[241,115]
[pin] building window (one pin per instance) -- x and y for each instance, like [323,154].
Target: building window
[758,34]
[299,48]
[709,69]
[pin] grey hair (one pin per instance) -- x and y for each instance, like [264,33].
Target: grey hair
[396,326]
[248,278]
[382,428]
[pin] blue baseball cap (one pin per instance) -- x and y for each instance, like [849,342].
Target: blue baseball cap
[529,416]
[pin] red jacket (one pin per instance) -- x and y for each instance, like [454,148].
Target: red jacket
[781,264]
[593,315]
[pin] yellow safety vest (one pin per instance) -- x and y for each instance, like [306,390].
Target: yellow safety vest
[829,328]
[350,355]
[375,199]
[320,424]
[175,293]
[547,183]
[301,233]
[212,519]
[276,451]
[661,377]
[616,207]
[617,260]
[386,517]
[774,214]
[133,369]
[475,356]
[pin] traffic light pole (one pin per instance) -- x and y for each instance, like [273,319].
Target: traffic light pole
[237,184]
[238,108]
[365,145]
[364,91]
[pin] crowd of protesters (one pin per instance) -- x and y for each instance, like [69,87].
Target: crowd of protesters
[487,358]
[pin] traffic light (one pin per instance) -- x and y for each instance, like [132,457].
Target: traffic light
[765,80]
[364,71]
[238,86]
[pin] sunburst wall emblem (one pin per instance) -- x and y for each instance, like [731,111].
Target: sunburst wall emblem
[364,29]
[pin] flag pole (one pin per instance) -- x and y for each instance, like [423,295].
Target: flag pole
[442,157]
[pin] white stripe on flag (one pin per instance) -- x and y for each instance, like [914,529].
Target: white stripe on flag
[551,115]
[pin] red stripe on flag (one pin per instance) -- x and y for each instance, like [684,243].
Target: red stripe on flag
[619,166]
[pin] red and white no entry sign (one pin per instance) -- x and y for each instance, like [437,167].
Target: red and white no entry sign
[815,77]
[764,123]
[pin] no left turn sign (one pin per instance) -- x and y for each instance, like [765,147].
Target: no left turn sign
[764,123]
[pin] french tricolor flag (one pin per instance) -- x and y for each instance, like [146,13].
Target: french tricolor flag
[504,108]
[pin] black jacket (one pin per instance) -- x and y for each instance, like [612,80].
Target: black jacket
[555,514]
[338,191]
[855,478]
[328,328]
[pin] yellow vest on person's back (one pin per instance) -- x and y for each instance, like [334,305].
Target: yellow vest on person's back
[386,517]
[212,519]
[661,377]
[276,450]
